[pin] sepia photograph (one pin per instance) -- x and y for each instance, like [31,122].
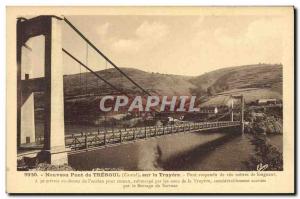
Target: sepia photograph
[200,91]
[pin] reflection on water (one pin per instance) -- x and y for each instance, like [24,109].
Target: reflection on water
[151,154]
[143,155]
[228,156]
[185,151]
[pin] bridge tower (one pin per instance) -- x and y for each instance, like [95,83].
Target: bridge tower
[231,111]
[52,86]
[242,114]
[240,97]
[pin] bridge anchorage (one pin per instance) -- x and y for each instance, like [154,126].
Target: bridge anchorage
[54,146]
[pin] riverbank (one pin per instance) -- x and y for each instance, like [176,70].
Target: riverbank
[267,156]
[264,125]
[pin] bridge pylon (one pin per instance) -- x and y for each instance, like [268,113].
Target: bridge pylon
[54,151]
[240,97]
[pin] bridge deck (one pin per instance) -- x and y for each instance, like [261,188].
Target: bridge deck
[91,141]
[80,142]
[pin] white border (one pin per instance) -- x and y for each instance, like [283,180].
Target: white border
[4,3]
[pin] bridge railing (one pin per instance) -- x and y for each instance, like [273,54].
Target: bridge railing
[116,136]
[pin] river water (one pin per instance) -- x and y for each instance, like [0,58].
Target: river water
[200,151]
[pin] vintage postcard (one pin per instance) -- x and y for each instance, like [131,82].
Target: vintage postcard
[150,100]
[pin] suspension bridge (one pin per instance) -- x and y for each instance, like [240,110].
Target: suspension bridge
[54,143]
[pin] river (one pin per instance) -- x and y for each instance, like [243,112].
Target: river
[200,151]
[210,151]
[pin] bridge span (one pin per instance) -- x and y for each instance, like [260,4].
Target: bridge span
[91,141]
[82,142]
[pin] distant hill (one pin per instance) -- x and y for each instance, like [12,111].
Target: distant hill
[265,76]
[155,83]
[262,76]
[83,91]
[250,95]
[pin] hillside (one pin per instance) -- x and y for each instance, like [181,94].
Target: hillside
[250,95]
[253,81]
[83,91]
[249,76]
[261,76]
[155,83]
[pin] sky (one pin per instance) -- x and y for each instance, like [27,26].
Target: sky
[183,45]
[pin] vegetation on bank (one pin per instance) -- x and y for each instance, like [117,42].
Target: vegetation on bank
[49,167]
[261,123]
[264,122]
[267,157]
[27,164]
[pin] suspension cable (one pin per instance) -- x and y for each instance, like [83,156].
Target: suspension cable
[86,63]
[80,79]
[93,72]
[104,56]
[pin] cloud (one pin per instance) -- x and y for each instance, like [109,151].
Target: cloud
[131,45]
[103,29]
[146,36]
[153,30]
[229,44]
[265,29]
